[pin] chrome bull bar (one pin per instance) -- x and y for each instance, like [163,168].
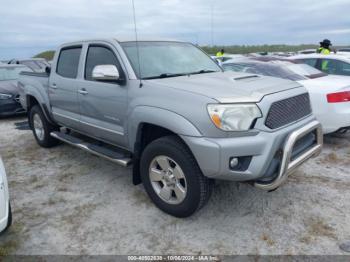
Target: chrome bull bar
[288,165]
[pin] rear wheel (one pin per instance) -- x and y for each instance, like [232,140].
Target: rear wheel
[41,127]
[172,177]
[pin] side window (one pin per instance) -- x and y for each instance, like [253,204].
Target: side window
[310,61]
[343,68]
[100,55]
[68,62]
[329,66]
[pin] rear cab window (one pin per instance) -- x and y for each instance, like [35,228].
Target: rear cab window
[68,62]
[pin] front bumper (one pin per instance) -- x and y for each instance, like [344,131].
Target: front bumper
[213,154]
[10,107]
[287,164]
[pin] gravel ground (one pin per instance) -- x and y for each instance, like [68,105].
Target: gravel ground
[66,201]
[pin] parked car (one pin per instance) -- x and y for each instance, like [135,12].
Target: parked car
[333,64]
[225,57]
[35,64]
[9,90]
[330,95]
[5,207]
[307,51]
[344,51]
[167,108]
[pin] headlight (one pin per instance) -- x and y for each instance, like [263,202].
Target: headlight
[5,96]
[234,117]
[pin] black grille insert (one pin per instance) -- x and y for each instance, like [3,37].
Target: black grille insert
[288,110]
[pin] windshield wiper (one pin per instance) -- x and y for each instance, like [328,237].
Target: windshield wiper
[203,71]
[164,75]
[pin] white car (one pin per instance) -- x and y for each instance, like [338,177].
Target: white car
[307,51]
[344,51]
[225,57]
[336,64]
[5,208]
[329,94]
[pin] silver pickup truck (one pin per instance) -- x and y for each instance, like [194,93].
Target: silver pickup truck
[169,110]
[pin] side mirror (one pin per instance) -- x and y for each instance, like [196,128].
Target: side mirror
[47,70]
[105,73]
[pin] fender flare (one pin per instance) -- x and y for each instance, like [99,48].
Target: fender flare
[164,118]
[39,98]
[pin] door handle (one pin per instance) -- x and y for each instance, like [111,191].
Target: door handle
[83,91]
[54,86]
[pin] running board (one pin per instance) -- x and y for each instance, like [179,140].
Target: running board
[116,157]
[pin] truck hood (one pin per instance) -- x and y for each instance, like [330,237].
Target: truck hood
[228,87]
[9,87]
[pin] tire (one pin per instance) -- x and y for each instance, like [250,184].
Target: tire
[41,128]
[177,193]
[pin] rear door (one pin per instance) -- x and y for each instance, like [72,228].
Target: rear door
[103,105]
[63,87]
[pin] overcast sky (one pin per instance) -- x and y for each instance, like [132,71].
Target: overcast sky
[31,26]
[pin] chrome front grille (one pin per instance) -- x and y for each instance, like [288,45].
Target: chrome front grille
[288,110]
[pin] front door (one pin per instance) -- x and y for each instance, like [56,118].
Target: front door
[103,105]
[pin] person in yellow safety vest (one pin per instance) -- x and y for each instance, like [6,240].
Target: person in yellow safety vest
[325,50]
[220,53]
[324,47]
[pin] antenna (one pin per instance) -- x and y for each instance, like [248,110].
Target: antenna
[137,42]
[211,24]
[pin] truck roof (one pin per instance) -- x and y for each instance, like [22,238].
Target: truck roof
[124,39]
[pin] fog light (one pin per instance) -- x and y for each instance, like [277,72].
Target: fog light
[240,163]
[233,162]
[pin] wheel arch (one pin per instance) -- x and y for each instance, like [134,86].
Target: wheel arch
[150,123]
[32,101]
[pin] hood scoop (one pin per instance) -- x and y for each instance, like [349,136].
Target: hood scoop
[245,77]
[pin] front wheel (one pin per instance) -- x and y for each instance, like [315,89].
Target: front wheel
[172,177]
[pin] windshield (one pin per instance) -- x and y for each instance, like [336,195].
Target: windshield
[166,59]
[10,73]
[262,68]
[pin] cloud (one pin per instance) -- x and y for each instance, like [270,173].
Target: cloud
[27,27]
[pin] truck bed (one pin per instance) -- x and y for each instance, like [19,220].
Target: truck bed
[33,83]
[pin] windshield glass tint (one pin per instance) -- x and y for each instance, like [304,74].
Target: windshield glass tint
[305,70]
[265,69]
[10,73]
[157,58]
